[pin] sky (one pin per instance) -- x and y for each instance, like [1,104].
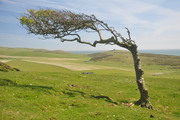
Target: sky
[154,24]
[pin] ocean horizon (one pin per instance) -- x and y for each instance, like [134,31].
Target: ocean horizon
[175,52]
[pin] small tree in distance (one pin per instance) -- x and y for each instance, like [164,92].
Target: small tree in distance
[67,26]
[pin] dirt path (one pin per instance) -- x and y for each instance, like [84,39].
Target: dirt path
[45,58]
[4,61]
[75,66]
[62,62]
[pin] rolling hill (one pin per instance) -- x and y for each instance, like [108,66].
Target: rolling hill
[35,52]
[125,57]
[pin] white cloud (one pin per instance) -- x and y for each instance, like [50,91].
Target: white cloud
[10,2]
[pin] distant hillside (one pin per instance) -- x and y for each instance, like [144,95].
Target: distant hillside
[124,57]
[34,52]
[114,58]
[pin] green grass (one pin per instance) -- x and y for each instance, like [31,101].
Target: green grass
[40,94]
[35,67]
[47,92]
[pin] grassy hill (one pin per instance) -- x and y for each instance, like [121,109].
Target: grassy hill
[50,92]
[124,57]
[35,52]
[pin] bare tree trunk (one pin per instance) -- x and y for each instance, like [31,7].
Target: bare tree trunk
[144,100]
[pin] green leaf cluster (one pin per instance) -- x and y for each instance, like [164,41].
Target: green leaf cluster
[48,22]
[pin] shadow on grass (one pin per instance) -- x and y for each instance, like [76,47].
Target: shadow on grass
[74,93]
[68,92]
[11,83]
[105,98]
[5,82]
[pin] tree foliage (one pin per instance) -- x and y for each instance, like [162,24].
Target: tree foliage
[63,23]
[46,22]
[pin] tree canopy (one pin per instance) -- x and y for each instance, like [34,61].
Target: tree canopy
[63,23]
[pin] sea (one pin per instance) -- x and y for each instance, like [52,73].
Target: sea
[175,52]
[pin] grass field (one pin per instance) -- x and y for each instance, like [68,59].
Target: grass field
[53,92]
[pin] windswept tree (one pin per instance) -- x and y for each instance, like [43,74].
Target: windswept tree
[68,26]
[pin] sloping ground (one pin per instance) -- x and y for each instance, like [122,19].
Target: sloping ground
[22,51]
[6,58]
[53,93]
[116,57]
[76,66]
[69,63]
[62,62]
[107,60]
[124,57]
[36,52]
[36,67]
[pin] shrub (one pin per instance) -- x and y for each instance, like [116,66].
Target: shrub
[4,67]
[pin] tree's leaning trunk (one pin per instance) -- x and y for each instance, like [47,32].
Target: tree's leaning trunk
[144,100]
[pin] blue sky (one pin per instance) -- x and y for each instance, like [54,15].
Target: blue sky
[154,24]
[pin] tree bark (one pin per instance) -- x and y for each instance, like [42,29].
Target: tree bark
[144,100]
